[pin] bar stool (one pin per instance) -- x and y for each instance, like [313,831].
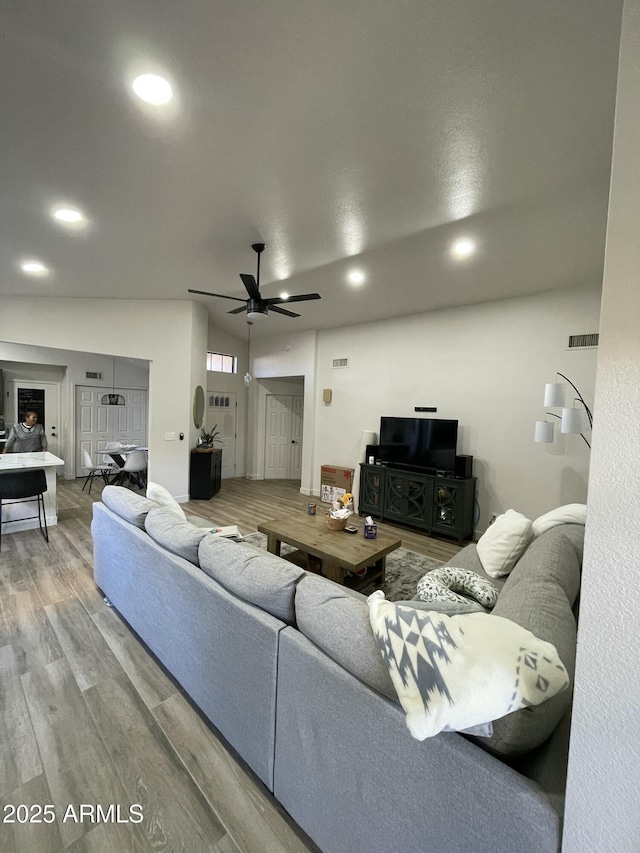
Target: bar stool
[22,487]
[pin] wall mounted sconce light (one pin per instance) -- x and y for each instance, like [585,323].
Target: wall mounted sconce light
[327,395]
[572,419]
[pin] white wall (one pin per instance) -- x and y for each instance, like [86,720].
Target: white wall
[602,812]
[484,366]
[170,334]
[43,364]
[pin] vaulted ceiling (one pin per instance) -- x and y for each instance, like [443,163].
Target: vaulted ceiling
[363,135]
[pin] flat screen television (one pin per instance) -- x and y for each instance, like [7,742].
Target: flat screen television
[422,444]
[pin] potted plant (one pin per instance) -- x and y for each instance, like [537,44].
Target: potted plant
[207,439]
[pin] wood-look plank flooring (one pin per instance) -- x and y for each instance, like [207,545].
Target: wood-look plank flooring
[88,716]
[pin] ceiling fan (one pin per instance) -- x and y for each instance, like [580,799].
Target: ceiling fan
[255,305]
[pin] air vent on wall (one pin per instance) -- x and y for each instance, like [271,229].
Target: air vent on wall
[577,341]
[340,362]
[91,375]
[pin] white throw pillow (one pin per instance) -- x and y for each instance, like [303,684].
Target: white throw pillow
[503,543]
[455,672]
[568,514]
[161,496]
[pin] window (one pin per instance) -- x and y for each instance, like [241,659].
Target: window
[222,363]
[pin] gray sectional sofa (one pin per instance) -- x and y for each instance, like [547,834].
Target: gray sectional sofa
[286,666]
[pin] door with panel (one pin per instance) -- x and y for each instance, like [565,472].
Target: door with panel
[283,442]
[97,424]
[44,398]
[222,412]
[295,459]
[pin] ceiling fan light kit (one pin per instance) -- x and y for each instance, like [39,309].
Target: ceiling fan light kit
[255,306]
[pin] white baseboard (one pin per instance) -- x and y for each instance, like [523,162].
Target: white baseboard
[27,524]
[182,499]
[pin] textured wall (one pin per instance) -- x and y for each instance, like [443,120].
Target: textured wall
[604,769]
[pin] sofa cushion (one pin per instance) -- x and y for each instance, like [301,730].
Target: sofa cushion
[539,595]
[568,514]
[253,575]
[455,672]
[126,504]
[338,622]
[163,497]
[180,537]
[503,543]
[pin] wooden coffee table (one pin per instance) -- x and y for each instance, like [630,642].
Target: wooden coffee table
[337,550]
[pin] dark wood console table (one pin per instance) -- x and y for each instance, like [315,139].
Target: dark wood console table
[205,472]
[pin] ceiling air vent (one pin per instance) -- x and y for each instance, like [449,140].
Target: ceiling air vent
[340,362]
[578,341]
[92,375]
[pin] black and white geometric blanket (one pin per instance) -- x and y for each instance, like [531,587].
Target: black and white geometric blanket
[453,673]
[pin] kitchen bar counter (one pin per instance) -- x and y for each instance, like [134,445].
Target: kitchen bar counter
[13,515]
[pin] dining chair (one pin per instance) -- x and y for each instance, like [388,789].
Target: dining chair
[22,487]
[96,470]
[135,467]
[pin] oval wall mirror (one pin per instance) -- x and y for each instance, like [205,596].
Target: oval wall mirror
[198,407]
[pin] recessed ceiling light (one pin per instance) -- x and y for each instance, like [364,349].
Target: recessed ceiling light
[153,89]
[68,215]
[356,277]
[34,268]
[463,248]
[284,295]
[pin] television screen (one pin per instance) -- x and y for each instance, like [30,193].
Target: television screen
[419,443]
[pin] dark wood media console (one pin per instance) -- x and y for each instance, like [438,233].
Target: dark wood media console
[436,504]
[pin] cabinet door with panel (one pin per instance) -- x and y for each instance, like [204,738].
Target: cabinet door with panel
[453,507]
[371,490]
[408,498]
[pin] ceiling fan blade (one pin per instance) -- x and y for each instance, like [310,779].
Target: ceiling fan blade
[273,307]
[238,310]
[221,295]
[304,297]
[250,284]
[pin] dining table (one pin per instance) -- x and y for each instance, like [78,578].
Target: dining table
[119,457]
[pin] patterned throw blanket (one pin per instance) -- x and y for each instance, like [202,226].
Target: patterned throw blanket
[453,673]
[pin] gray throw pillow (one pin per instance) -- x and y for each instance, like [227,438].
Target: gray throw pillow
[180,537]
[127,505]
[339,624]
[252,574]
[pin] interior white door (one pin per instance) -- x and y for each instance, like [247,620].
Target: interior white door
[222,412]
[97,424]
[295,457]
[44,397]
[283,444]
[130,420]
[278,437]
